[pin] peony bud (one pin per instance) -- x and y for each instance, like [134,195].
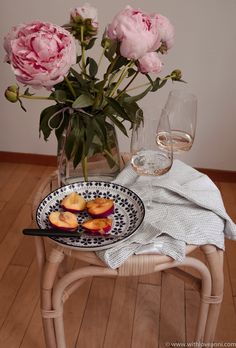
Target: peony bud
[83,17]
[79,14]
[12,93]
[107,43]
[150,63]
[176,75]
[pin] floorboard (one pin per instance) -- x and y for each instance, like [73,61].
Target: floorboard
[139,312]
[146,319]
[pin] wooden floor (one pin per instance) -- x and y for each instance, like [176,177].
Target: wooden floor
[142,312]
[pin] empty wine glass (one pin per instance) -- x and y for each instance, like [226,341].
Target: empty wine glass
[181,107]
[148,157]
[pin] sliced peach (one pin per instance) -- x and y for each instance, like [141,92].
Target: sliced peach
[73,203]
[98,226]
[100,207]
[63,220]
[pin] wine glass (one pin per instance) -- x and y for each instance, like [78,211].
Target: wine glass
[182,109]
[148,157]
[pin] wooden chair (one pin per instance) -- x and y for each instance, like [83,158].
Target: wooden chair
[55,289]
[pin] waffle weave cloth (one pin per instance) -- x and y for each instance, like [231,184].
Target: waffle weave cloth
[187,208]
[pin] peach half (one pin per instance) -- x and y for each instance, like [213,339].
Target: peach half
[73,203]
[100,207]
[66,221]
[97,226]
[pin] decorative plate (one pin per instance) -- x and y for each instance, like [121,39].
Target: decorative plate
[127,217]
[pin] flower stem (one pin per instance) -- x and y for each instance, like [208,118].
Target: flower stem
[83,49]
[111,157]
[148,83]
[128,84]
[102,55]
[35,97]
[111,66]
[143,85]
[70,86]
[123,73]
[99,94]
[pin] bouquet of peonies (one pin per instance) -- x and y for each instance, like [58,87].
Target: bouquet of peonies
[45,55]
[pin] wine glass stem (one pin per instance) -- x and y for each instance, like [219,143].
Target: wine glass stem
[149,203]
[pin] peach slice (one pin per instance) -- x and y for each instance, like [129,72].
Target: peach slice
[98,226]
[66,221]
[100,207]
[73,203]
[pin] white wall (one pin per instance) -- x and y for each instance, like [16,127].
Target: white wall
[205,50]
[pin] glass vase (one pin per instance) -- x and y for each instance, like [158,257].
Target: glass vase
[99,164]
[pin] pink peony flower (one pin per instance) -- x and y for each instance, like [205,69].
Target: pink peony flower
[86,11]
[40,54]
[137,32]
[150,62]
[166,30]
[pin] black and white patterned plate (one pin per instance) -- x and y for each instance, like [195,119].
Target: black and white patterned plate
[128,215]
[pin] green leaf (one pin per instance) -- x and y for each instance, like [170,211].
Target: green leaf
[110,52]
[99,129]
[118,108]
[103,140]
[73,134]
[110,159]
[137,97]
[78,76]
[27,92]
[149,79]
[130,108]
[78,59]
[97,144]
[88,135]
[118,124]
[47,122]
[131,72]
[93,67]
[70,143]
[83,101]
[157,84]
[59,131]
[21,105]
[60,95]
[121,61]
[78,156]
[99,85]
[162,83]
[91,43]
[79,149]
[75,141]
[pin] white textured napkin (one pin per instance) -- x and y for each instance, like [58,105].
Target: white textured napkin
[187,208]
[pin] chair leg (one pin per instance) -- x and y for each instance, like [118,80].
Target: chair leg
[49,276]
[60,290]
[205,290]
[214,259]
[40,254]
[52,301]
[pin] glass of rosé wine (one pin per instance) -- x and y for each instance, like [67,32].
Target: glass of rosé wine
[148,157]
[181,107]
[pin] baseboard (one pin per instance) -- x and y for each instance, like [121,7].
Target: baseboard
[219,175]
[49,160]
[28,158]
